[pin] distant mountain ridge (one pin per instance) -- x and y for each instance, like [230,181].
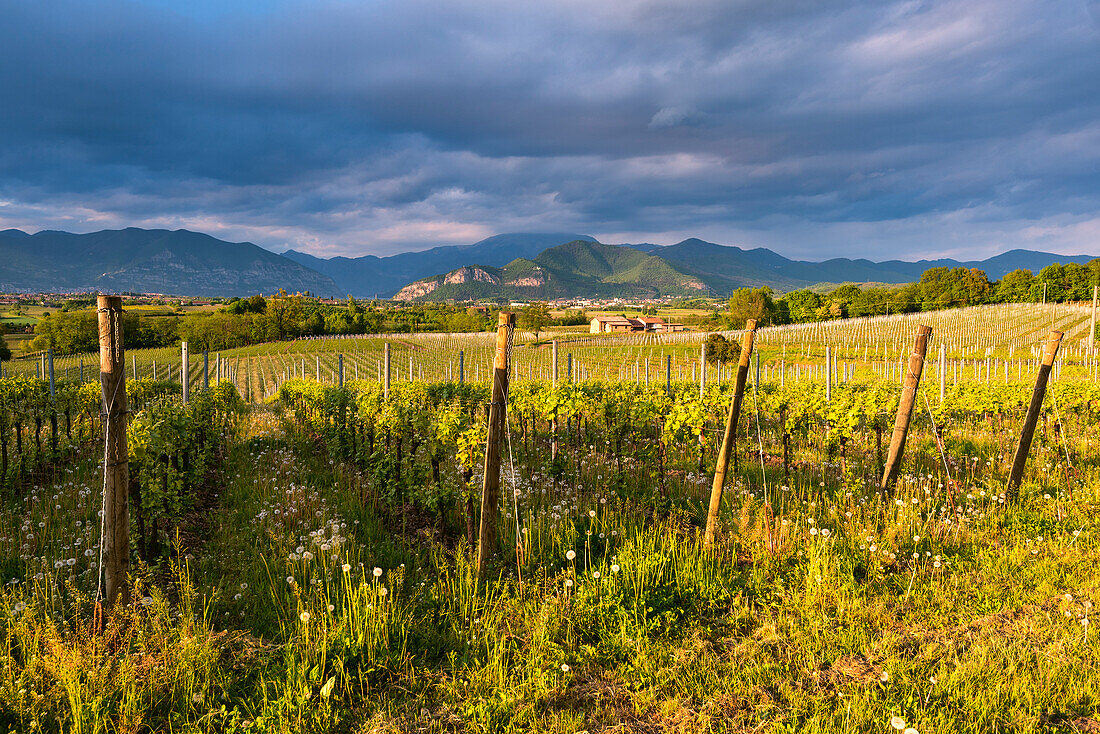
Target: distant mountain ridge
[152,261]
[578,267]
[371,275]
[518,265]
[690,268]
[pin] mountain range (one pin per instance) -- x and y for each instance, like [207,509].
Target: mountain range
[519,266]
[689,268]
[371,275]
[148,261]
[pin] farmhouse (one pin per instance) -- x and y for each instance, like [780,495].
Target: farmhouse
[617,324]
[612,324]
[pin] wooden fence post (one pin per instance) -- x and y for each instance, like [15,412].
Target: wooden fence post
[386,370]
[490,491]
[702,369]
[185,371]
[1028,431]
[943,371]
[1092,319]
[730,434]
[205,369]
[668,373]
[554,363]
[116,510]
[905,407]
[340,366]
[461,366]
[828,375]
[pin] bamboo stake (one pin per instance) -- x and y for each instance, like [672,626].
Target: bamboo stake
[730,434]
[905,407]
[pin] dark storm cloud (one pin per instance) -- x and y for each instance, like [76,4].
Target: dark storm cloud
[852,127]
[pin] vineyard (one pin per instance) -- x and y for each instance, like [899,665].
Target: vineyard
[307,545]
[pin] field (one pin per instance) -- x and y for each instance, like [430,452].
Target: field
[303,552]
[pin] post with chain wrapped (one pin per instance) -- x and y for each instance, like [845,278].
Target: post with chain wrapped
[115,537]
[490,491]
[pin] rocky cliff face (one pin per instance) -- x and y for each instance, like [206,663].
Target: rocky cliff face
[468,274]
[536,279]
[416,290]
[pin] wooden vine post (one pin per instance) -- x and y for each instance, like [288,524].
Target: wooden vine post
[554,384]
[386,371]
[116,469]
[1092,318]
[730,434]
[1028,431]
[490,491]
[185,366]
[905,407]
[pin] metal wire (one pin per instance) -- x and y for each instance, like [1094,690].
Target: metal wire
[116,342]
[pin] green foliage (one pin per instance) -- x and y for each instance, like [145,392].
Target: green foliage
[721,349]
[752,303]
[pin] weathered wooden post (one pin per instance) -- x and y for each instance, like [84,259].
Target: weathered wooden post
[82,370]
[386,370]
[702,369]
[1019,461]
[1092,319]
[554,363]
[730,434]
[668,373]
[318,368]
[461,366]
[490,491]
[905,407]
[49,356]
[340,367]
[185,372]
[115,543]
[205,370]
[943,371]
[828,375]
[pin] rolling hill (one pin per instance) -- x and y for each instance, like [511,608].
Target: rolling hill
[151,261]
[519,266]
[691,267]
[579,267]
[371,275]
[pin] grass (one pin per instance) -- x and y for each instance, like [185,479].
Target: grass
[834,609]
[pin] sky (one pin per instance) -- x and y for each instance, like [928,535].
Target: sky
[818,128]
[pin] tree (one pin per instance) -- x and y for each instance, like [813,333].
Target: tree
[1015,287]
[721,349]
[802,305]
[535,318]
[751,303]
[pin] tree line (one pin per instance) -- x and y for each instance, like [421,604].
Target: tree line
[938,288]
[258,319]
